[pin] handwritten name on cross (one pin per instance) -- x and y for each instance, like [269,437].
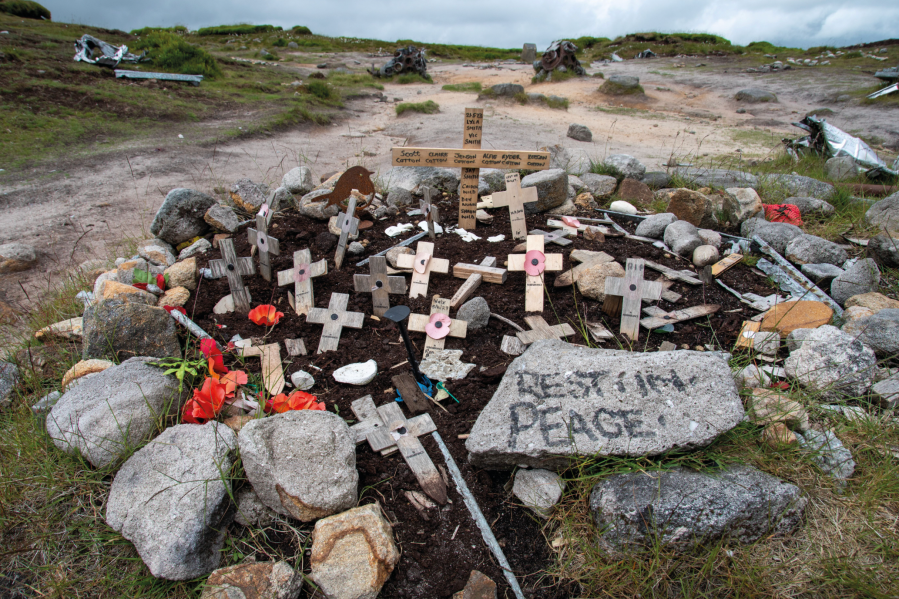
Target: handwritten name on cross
[348,224]
[423,263]
[301,275]
[335,317]
[515,197]
[470,159]
[429,211]
[438,326]
[633,290]
[266,244]
[534,263]
[379,284]
[234,268]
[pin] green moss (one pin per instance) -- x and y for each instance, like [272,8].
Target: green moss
[301,30]
[613,89]
[429,107]
[280,42]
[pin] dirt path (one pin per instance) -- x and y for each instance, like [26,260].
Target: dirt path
[85,209]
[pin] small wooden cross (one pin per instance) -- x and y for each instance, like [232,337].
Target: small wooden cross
[386,428]
[423,263]
[515,197]
[533,299]
[633,289]
[419,322]
[234,268]
[471,283]
[657,318]
[348,224]
[552,237]
[266,245]
[272,373]
[542,330]
[301,275]
[379,284]
[334,318]
[429,211]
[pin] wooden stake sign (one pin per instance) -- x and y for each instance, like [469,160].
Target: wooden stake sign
[438,326]
[386,427]
[348,224]
[633,290]
[471,283]
[266,245]
[234,268]
[470,159]
[301,275]
[534,263]
[726,264]
[379,285]
[423,263]
[542,330]
[515,197]
[334,318]
[272,373]
[429,211]
[659,318]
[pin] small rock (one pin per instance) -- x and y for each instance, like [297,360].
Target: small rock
[841,168]
[832,363]
[861,277]
[767,406]
[552,190]
[811,206]
[334,229]
[113,290]
[623,207]
[538,489]
[709,237]
[884,215]
[298,180]
[601,186]
[741,203]
[800,186]
[873,301]
[445,364]
[509,90]
[777,235]
[705,255]
[355,248]
[15,257]
[180,218]
[360,374]
[475,312]
[591,282]
[796,337]
[821,274]
[755,376]
[585,201]
[778,434]
[82,369]
[620,85]
[635,191]
[394,253]
[624,165]
[592,233]
[248,195]
[826,450]
[262,580]
[879,331]
[766,343]
[693,207]
[654,226]
[251,511]
[579,132]
[479,586]
[174,297]
[183,274]
[657,179]
[809,249]
[682,237]
[318,210]
[9,378]
[885,249]
[201,246]
[754,95]
[125,329]
[157,251]
[302,380]
[222,218]
[887,392]
[45,403]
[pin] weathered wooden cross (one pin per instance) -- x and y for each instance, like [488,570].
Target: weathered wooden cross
[266,244]
[429,211]
[470,159]
[552,237]
[386,430]
[587,259]
[272,373]
[515,197]
[423,263]
[534,263]
[542,330]
[656,317]
[301,275]
[437,328]
[379,284]
[473,281]
[335,317]
[632,289]
[234,268]
[348,224]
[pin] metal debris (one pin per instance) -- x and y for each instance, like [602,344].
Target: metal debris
[646,54]
[829,141]
[95,51]
[884,92]
[405,60]
[560,56]
[789,279]
[192,79]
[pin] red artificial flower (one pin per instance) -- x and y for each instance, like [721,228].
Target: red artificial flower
[298,400]
[232,380]
[175,308]
[265,315]
[206,403]
[141,286]
[216,361]
[160,282]
[534,263]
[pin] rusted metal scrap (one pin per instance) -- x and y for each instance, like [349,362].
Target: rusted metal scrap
[560,56]
[405,60]
[95,51]
[826,140]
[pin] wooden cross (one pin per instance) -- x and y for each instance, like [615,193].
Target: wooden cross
[533,298]
[429,211]
[471,283]
[470,159]
[386,429]
[418,322]
[633,290]
[272,373]
[267,245]
[423,263]
[586,259]
[657,318]
[552,237]
[348,224]
[379,284]
[334,318]
[542,330]
[301,275]
[515,197]
[234,268]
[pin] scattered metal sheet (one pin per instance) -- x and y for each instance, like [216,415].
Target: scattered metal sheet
[405,60]
[95,51]
[884,92]
[192,79]
[561,53]
[646,54]
[890,74]
[830,141]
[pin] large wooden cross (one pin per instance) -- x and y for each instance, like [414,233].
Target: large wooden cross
[378,284]
[429,211]
[234,268]
[423,263]
[470,159]
[633,289]
[540,329]
[348,223]
[386,429]
[537,263]
[266,244]
[335,317]
[301,275]
[272,372]
[515,197]
[420,322]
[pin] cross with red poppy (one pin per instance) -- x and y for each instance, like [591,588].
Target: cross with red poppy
[438,326]
[301,275]
[534,263]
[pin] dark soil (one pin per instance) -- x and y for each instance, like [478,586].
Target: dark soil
[439,553]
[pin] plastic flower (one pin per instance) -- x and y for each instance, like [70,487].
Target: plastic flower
[298,400]
[265,315]
[571,221]
[216,361]
[175,308]
[421,263]
[232,380]
[302,272]
[206,403]
[160,281]
[534,263]
[438,326]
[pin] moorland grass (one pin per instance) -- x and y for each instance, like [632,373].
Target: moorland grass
[429,107]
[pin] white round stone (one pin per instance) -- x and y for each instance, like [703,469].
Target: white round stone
[302,380]
[705,255]
[622,206]
[361,373]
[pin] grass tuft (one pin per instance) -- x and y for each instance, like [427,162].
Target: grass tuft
[429,107]
[241,29]
[170,52]
[468,86]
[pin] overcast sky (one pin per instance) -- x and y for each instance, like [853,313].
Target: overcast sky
[509,24]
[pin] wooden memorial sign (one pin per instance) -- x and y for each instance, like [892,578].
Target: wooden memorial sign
[385,427]
[633,289]
[515,198]
[234,268]
[266,245]
[301,275]
[429,211]
[552,237]
[335,317]
[348,224]
[471,283]
[423,263]
[658,318]
[534,263]
[726,264]
[786,317]
[379,284]
[470,159]
[272,373]
[540,329]
[438,326]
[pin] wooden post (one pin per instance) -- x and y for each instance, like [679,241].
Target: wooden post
[379,284]
[414,398]
[515,197]
[301,275]
[542,330]
[348,224]
[234,268]
[633,289]
[334,318]
[471,283]
[266,245]
[423,263]
[419,323]
[471,140]
[272,373]
[429,211]
[538,263]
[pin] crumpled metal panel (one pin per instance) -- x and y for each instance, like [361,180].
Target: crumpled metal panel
[830,141]
[405,60]
[562,53]
[95,51]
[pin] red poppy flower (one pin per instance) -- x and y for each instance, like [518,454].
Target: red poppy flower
[438,326]
[175,308]
[421,263]
[265,315]
[298,400]
[206,403]
[141,286]
[160,281]
[216,361]
[302,272]
[534,263]
[571,221]
[232,380]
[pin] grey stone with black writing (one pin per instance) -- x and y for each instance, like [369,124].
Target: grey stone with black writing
[654,226]
[180,218]
[475,312]
[552,189]
[879,331]
[682,508]
[538,489]
[9,378]
[558,400]
[832,363]
[625,166]
[829,453]
[861,277]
